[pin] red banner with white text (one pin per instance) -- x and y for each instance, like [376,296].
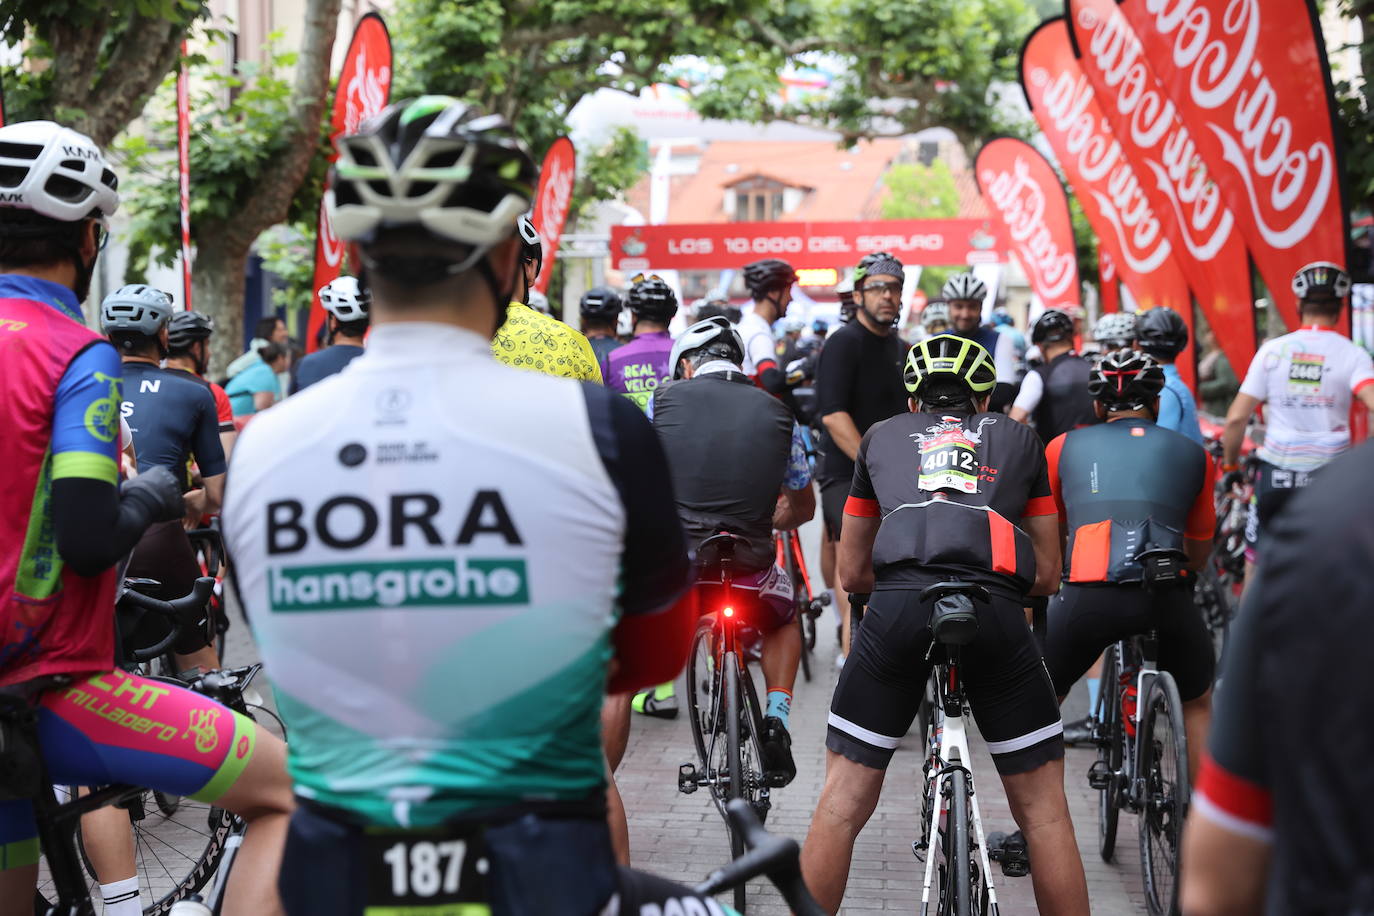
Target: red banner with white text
[363,89]
[1023,189]
[1108,293]
[1108,189]
[716,246]
[1250,80]
[551,203]
[1208,246]
[184,177]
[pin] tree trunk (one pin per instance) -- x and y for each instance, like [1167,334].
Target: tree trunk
[218,287]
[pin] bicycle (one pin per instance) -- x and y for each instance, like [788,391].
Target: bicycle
[952,844]
[808,608]
[1142,757]
[723,708]
[208,543]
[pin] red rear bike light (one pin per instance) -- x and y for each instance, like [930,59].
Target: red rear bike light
[729,612]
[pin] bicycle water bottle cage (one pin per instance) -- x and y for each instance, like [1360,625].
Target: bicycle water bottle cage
[1162,565]
[953,620]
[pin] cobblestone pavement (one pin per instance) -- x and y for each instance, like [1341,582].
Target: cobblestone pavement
[682,836]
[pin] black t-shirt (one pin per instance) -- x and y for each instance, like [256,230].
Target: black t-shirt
[172,418]
[321,364]
[859,374]
[952,491]
[1291,745]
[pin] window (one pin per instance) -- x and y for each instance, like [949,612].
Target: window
[758,199]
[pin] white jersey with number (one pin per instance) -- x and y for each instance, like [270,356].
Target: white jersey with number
[1306,380]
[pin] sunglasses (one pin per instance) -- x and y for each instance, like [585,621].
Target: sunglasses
[891,288]
[640,278]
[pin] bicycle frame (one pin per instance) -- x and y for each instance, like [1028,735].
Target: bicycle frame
[948,752]
[1146,672]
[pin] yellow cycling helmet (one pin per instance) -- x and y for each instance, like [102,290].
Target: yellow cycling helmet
[946,356]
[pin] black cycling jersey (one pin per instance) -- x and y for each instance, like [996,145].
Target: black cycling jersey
[1125,487]
[727,444]
[860,373]
[601,348]
[1291,744]
[1066,403]
[172,418]
[321,364]
[951,491]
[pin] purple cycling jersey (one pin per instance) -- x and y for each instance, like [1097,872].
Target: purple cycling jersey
[639,367]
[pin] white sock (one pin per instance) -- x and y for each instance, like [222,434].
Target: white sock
[122,898]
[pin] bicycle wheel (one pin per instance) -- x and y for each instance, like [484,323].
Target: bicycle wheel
[733,712]
[1214,598]
[958,846]
[703,693]
[801,606]
[1108,716]
[1163,766]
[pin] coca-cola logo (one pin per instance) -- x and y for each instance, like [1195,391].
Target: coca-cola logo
[1069,103]
[366,91]
[330,247]
[555,196]
[1021,201]
[1157,135]
[1287,186]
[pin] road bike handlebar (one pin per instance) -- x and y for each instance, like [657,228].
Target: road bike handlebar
[172,610]
[778,857]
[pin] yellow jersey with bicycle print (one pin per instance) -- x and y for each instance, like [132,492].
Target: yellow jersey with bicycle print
[531,340]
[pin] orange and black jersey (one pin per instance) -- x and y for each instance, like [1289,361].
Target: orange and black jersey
[951,491]
[1124,487]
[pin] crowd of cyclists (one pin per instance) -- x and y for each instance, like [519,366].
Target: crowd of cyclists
[465,544]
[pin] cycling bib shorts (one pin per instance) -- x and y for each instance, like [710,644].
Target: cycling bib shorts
[766,597]
[121,728]
[1274,487]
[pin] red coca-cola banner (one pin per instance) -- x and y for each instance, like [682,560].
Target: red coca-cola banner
[1250,80]
[1101,176]
[715,246]
[363,90]
[1208,246]
[184,177]
[1108,292]
[1022,188]
[551,203]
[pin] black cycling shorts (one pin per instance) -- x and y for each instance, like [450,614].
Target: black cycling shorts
[1085,619]
[1274,487]
[165,553]
[834,493]
[538,865]
[884,679]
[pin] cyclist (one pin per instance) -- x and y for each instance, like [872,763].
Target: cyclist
[1115,331]
[1275,829]
[770,286]
[527,339]
[935,318]
[534,542]
[948,491]
[600,308]
[60,397]
[789,330]
[188,354]
[1305,380]
[858,383]
[819,328]
[1122,488]
[173,420]
[1055,393]
[738,464]
[346,301]
[1162,334]
[640,366]
[964,294]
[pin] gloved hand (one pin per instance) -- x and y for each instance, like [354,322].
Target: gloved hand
[1232,479]
[158,492]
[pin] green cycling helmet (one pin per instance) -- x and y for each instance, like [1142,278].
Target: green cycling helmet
[946,356]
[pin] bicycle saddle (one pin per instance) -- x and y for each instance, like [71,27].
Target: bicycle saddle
[953,620]
[719,547]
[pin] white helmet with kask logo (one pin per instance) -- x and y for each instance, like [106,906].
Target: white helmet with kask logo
[345,299]
[55,172]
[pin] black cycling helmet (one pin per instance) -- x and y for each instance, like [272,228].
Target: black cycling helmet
[1126,380]
[185,328]
[601,303]
[1050,326]
[652,299]
[1161,332]
[768,275]
[1321,280]
[531,246]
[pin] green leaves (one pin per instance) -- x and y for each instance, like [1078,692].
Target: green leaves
[920,192]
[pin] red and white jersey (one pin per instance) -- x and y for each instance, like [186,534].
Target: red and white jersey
[759,346]
[1306,380]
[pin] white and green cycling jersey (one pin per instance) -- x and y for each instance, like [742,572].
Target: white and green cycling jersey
[433,549]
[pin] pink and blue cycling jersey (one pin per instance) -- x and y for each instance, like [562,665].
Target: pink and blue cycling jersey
[639,367]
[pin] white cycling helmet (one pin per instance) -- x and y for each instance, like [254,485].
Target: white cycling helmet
[1321,280]
[539,302]
[711,330]
[345,299]
[136,308]
[964,286]
[55,172]
[934,313]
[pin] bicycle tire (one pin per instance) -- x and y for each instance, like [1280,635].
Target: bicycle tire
[958,844]
[1163,767]
[703,691]
[801,606]
[735,787]
[1109,751]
